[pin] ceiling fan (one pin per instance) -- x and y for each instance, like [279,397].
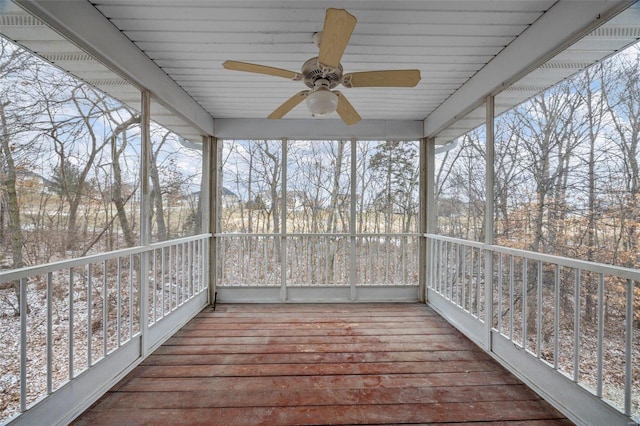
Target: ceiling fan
[324,72]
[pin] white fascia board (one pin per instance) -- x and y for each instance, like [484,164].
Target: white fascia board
[317,129]
[82,24]
[563,24]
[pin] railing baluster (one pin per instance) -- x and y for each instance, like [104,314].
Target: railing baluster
[185,281]
[445,270]
[465,281]
[479,300]
[49,333]
[105,311]
[203,255]
[131,277]
[539,306]
[169,281]
[525,290]
[403,260]
[473,289]
[500,272]
[473,284]
[436,265]
[180,272]
[628,349]
[556,317]
[201,269]
[576,324]
[195,268]
[435,260]
[458,276]
[448,270]
[174,275]
[451,273]
[155,285]
[265,257]
[179,282]
[70,323]
[89,315]
[118,300]
[23,345]
[162,270]
[190,261]
[511,289]
[600,336]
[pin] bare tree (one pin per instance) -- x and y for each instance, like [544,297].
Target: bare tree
[17,112]
[623,101]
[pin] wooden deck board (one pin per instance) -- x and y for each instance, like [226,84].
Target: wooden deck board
[319,364]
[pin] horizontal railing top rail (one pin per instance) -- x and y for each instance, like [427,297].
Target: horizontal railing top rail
[584,265]
[29,271]
[319,234]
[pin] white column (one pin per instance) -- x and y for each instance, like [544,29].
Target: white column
[352,224]
[210,211]
[145,219]
[488,220]
[283,223]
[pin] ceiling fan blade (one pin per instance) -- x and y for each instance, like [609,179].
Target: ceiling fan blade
[288,105]
[346,111]
[391,78]
[338,26]
[261,69]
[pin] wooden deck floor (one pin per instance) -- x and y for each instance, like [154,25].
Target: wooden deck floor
[319,364]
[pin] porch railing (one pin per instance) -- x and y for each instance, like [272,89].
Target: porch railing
[567,327]
[317,267]
[84,323]
[317,259]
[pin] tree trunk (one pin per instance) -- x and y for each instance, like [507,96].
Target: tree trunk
[118,198]
[13,206]
[158,203]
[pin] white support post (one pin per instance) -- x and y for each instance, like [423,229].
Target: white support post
[283,223]
[145,223]
[428,210]
[488,220]
[205,207]
[211,212]
[422,222]
[353,242]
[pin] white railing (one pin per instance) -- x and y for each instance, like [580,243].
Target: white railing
[86,322]
[565,326]
[265,260]
[317,267]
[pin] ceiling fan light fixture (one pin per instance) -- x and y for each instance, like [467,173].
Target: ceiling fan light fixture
[322,102]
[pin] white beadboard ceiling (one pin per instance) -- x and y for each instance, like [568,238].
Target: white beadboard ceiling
[451,42]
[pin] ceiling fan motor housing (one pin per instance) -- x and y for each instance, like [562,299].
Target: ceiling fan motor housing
[312,71]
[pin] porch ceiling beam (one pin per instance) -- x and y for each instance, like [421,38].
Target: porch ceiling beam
[316,129]
[564,23]
[84,25]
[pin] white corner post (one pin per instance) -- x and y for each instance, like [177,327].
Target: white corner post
[145,219]
[488,220]
[211,212]
[353,241]
[283,221]
[428,212]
